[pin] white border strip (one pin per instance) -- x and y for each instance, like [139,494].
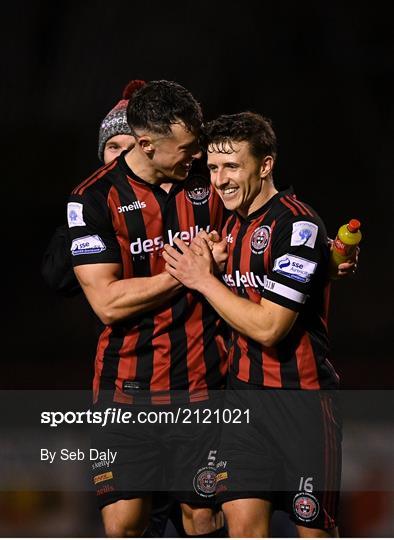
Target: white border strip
[283,290]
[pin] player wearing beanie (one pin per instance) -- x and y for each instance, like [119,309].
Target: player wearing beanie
[115,133]
[114,138]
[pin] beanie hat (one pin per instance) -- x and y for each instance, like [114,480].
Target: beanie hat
[115,123]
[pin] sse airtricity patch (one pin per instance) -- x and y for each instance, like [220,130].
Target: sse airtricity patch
[304,234]
[86,245]
[75,214]
[305,506]
[295,267]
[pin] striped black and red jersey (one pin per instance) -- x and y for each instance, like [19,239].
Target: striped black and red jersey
[281,253]
[116,217]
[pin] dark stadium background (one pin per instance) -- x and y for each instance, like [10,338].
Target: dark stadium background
[322,71]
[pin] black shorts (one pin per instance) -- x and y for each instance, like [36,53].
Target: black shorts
[289,453]
[178,458]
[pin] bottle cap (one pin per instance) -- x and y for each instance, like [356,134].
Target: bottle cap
[354,225]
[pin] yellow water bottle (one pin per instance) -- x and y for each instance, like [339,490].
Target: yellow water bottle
[344,246]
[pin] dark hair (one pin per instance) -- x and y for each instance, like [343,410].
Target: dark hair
[246,126]
[159,104]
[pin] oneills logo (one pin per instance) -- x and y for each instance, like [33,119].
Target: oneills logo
[137,205]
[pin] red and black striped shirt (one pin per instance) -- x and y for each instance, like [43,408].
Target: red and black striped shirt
[280,252]
[114,216]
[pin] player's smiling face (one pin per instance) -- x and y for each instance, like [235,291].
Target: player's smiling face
[236,175]
[174,153]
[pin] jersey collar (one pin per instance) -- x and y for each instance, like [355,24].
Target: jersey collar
[269,204]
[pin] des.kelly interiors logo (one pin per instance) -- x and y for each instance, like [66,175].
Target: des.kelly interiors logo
[150,245]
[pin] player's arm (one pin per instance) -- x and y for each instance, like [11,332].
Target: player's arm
[97,262]
[266,323]
[114,299]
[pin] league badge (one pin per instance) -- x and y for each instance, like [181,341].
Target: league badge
[75,214]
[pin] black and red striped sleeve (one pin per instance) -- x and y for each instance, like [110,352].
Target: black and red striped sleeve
[93,239]
[299,260]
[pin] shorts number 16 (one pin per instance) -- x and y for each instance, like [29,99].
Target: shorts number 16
[306,485]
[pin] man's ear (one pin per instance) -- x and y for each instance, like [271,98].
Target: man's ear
[266,166]
[146,144]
